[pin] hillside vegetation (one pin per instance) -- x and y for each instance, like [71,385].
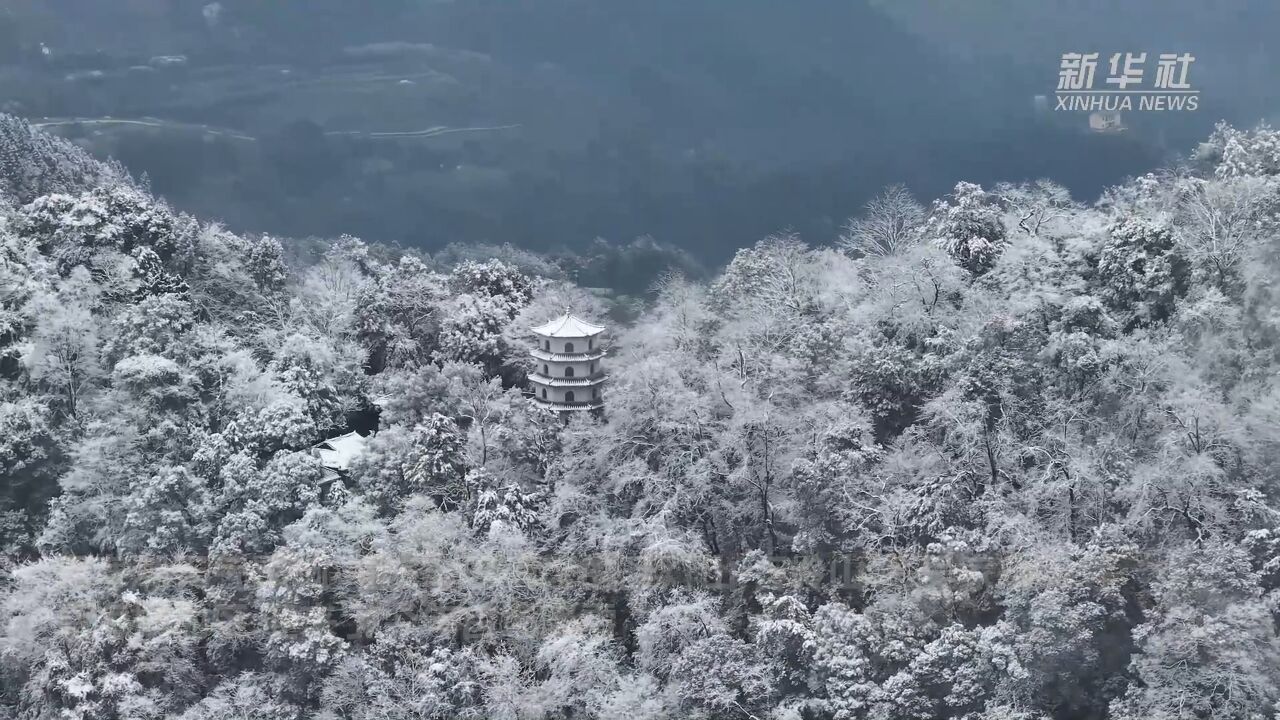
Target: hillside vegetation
[1007,456]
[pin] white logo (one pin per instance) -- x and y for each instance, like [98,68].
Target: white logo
[1170,89]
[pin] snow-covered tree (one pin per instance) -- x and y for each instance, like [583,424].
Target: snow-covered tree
[1140,270]
[890,223]
[968,226]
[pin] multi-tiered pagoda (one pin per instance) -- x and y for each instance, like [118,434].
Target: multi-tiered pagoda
[569,374]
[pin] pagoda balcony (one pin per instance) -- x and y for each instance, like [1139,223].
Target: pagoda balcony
[547,356]
[587,405]
[549,381]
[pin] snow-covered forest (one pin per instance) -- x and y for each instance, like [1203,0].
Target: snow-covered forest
[1006,456]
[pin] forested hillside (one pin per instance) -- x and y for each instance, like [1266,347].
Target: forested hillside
[1006,456]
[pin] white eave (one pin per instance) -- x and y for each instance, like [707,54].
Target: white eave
[541,379]
[568,326]
[566,357]
[592,405]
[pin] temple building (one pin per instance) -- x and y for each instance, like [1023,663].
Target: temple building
[569,374]
[335,455]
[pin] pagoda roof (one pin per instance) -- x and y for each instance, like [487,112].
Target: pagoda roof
[568,325]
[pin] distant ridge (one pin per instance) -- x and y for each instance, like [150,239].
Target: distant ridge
[33,163]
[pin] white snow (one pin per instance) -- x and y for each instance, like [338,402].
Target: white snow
[568,326]
[337,453]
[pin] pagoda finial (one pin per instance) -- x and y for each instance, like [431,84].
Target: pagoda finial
[568,309]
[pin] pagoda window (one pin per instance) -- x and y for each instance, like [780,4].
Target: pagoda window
[590,342]
[544,393]
[568,397]
[568,347]
[548,345]
[545,370]
[568,372]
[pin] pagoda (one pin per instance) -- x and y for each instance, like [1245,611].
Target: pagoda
[568,374]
